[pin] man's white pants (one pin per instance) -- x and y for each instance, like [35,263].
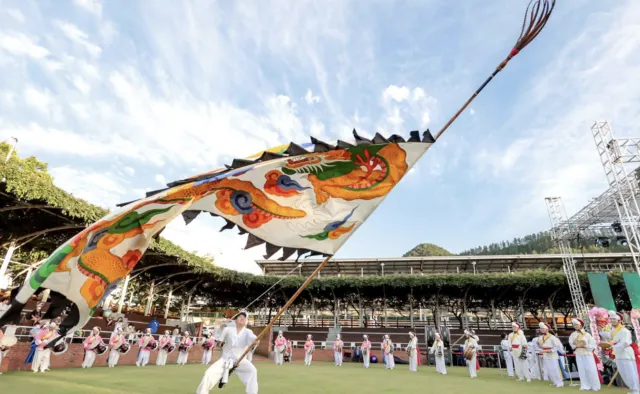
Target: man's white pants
[629,373]
[206,357]
[162,358]
[522,368]
[391,362]
[41,360]
[508,360]
[366,358]
[114,356]
[307,358]
[413,361]
[279,357]
[588,372]
[183,357]
[337,356]
[472,367]
[534,366]
[246,372]
[143,358]
[552,369]
[440,365]
[89,358]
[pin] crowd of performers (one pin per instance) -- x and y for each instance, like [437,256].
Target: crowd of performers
[521,356]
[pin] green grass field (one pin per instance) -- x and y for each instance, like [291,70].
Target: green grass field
[319,378]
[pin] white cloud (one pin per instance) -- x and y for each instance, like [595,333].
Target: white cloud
[17,15]
[73,33]
[92,6]
[472,111]
[129,171]
[81,84]
[310,98]
[396,93]
[20,44]
[161,179]
[38,99]
[101,188]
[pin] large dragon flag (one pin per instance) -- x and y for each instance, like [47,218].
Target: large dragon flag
[289,198]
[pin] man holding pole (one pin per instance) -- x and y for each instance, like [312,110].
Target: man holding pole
[236,339]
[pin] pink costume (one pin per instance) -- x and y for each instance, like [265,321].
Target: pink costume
[145,344]
[366,352]
[337,352]
[280,348]
[90,344]
[208,346]
[183,355]
[42,356]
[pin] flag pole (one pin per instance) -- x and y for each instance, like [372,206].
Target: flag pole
[280,313]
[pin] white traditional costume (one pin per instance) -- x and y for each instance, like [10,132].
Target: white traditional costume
[183,348]
[584,345]
[42,356]
[337,351]
[309,347]
[90,345]
[471,343]
[166,341]
[279,347]
[208,344]
[437,349]
[387,350]
[146,344]
[533,360]
[519,347]
[115,342]
[550,345]
[412,352]
[505,346]
[366,351]
[6,342]
[235,341]
[620,339]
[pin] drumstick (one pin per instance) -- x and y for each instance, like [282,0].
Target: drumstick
[613,379]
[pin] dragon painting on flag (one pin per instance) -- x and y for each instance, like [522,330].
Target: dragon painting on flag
[291,199]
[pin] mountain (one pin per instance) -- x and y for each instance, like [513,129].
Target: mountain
[427,250]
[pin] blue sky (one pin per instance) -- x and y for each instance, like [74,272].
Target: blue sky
[121,96]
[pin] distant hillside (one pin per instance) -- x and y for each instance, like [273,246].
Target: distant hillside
[540,243]
[427,250]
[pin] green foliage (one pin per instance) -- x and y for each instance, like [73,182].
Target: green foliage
[427,250]
[539,243]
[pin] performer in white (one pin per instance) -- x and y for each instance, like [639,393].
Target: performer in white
[6,342]
[183,348]
[506,352]
[279,347]
[236,339]
[115,342]
[550,345]
[412,352]
[471,343]
[337,351]
[309,347]
[42,357]
[90,345]
[208,344]
[519,350]
[146,343]
[584,345]
[387,350]
[366,351]
[621,340]
[533,360]
[438,350]
[166,342]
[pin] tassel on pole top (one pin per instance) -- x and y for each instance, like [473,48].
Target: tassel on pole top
[535,18]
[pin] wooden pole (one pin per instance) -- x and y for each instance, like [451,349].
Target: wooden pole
[283,310]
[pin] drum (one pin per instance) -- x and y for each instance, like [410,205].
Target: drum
[182,348]
[60,348]
[124,348]
[468,354]
[152,346]
[101,349]
[446,335]
[170,347]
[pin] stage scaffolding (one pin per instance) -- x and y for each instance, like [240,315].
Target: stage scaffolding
[611,218]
